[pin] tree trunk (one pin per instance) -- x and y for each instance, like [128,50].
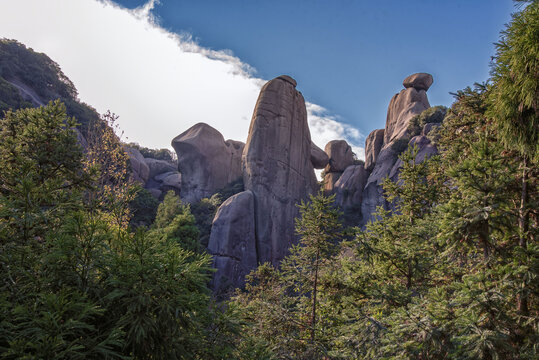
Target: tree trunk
[315,285]
[523,225]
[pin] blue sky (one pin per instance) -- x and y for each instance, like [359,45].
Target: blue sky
[349,56]
[163,66]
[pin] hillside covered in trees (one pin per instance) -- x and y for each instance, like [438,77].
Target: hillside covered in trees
[93,267]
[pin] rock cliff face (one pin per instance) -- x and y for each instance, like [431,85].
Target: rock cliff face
[373,145]
[157,176]
[207,163]
[410,102]
[277,166]
[340,157]
[278,162]
[232,242]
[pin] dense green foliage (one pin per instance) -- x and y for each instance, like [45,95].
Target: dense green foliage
[75,282]
[435,115]
[41,75]
[451,272]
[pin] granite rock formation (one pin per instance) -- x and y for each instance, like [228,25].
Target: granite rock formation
[140,170]
[340,157]
[232,242]
[319,158]
[402,107]
[348,191]
[373,145]
[419,81]
[410,102]
[207,163]
[156,176]
[277,166]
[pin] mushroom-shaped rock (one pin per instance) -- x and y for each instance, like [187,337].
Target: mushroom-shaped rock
[206,162]
[141,171]
[232,242]
[319,158]
[419,81]
[277,166]
[373,145]
[340,155]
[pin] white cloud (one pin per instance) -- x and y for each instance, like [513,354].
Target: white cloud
[158,82]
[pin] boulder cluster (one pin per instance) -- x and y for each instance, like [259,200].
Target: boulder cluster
[276,165]
[157,176]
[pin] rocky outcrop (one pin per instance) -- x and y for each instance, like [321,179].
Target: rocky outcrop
[158,167]
[402,107]
[419,81]
[373,145]
[140,170]
[319,158]
[349,188]
[277,165]
[157,176]
[207,163]
[340,157]
[410,102]
[232,242]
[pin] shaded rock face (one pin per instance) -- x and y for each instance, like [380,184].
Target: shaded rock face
[373,191]
[425,150]
[402,107]
[157,176]
[206,162]
[232,242]
[319,158]
[349,188]
[373,145]
[329,181]
[277,166]
[140,170]
[340,157]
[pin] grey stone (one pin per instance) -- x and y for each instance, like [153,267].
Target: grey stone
[206,162]
[340,155]
[232,242]
[349,188]
[403,107]
[277,166]
[173,179]
[141,171]
[373,191]
[373,145]
[419,81]
[158,167]
[329,181]
[319,158]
